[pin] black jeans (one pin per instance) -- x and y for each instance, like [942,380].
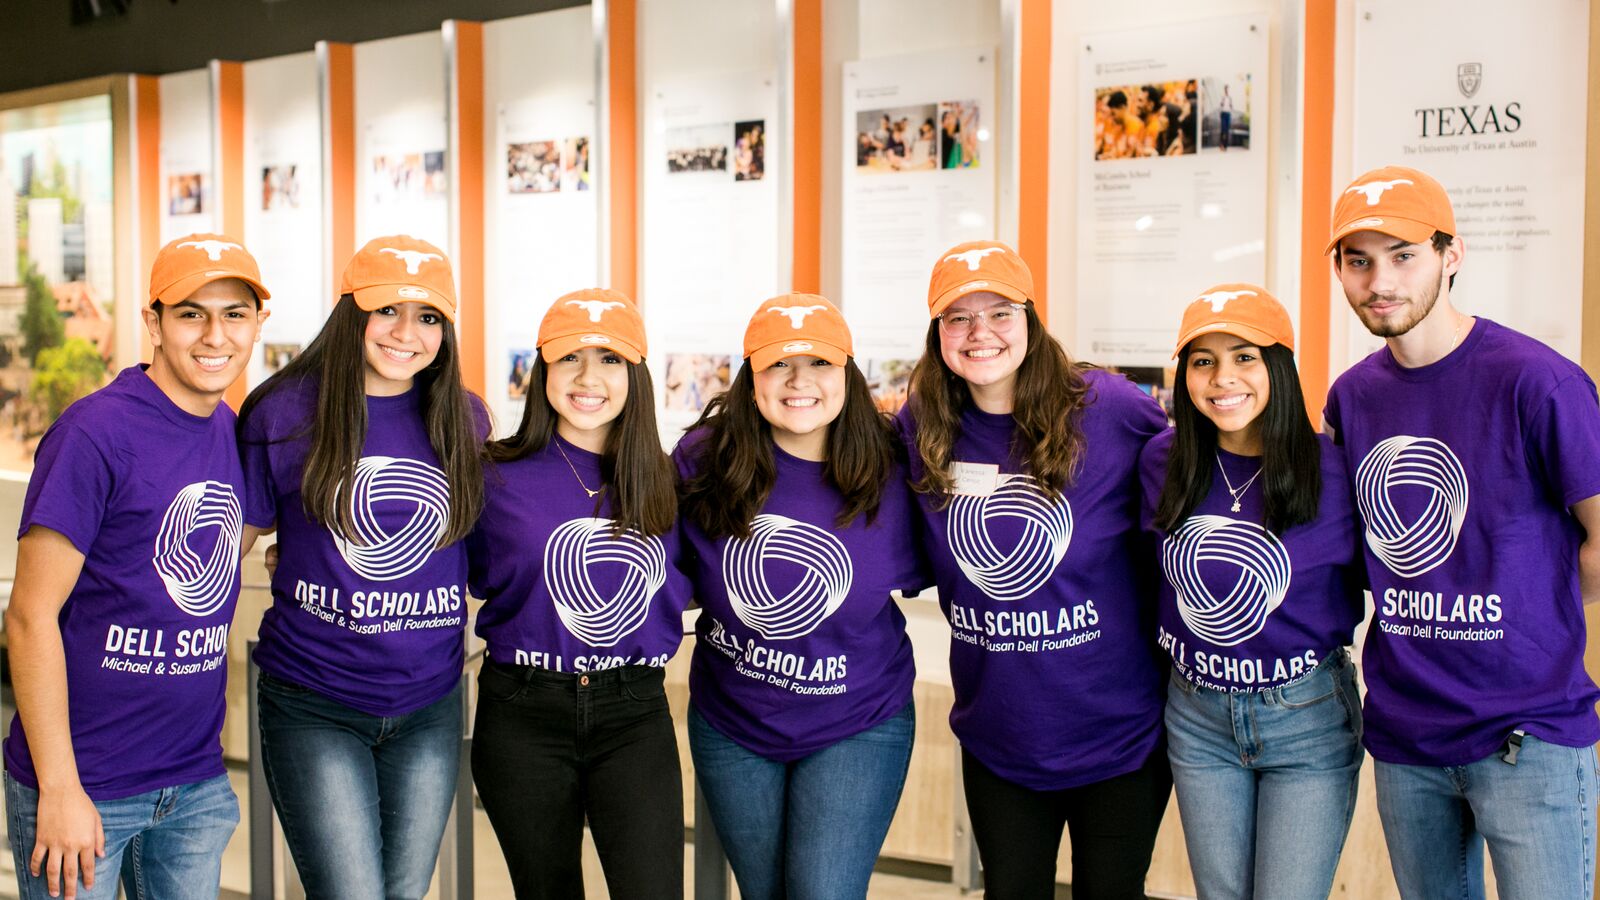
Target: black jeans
[1112,824]
[550,750]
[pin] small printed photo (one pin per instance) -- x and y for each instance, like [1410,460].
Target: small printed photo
[185,194]
[888,380]
[901,139]
[276,356]
[575,164]
[521,368]
[1136,121]
[1153,380]
[749,150]
[694,378]
[435,180]
[959,134]
[280,187]
[697,148]
[533,167]
[397,177]
[1225,113]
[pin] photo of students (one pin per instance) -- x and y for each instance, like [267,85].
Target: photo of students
[1026,467]
[575,558]
[798,523]
[363,455]
[1473,449]
[1255,523]
[129,539]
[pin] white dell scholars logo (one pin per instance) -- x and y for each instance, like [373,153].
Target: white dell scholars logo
[199,586]
[413,494]
[1404,462]
[579,545]
[786,542]
[1256,590]
[1010,574]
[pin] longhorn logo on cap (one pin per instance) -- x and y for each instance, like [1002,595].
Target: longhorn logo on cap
[212,248]
[1219,299]
[1374,189]
[595,308]
[797,314]
[972,257]
[413,258]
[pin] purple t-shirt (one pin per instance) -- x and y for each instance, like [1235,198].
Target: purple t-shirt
[150,495]
[1464,470]
[375,620]
[561,591]
[1051,604]
[799,644]
[1241,608]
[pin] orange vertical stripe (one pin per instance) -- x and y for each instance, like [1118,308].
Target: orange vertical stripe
[1316,200]
[147,174]
[339,149]
[806,268]
[623,153]
[467,102]
[228,119]
[1033,150]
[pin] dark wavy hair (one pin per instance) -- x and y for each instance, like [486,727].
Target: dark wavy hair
[335,362]
[1050,395]
[1291,459]
[735,468]
[634,469]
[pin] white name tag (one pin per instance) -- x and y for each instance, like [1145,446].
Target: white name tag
[974,479]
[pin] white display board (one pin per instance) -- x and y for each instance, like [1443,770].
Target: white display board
[1493,105]
[541,215]
[1172,130]
[188,186]
[919,175]
[711,230]
[401,176]
[283,203]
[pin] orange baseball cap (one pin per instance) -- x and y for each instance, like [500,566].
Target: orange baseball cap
[1246,310]
[592,317]
[796,325]
[978,266]
[400,269]
[1393,200]
[184,265]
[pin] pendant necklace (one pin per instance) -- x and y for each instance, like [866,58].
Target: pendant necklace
[586,490]
[1236,492]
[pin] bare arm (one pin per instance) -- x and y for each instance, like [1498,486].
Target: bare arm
[248,539]
[1588,513]
[68,834]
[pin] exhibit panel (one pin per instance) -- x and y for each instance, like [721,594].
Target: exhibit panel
[188,182]
[400,132]
[283,203]
[540,212]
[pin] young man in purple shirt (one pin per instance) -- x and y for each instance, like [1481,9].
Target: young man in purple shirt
[127,576]
[1474,451]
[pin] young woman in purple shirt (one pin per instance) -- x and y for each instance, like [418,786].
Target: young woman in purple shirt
[798,525]
[1026,466]
[1254,516]
[363,454]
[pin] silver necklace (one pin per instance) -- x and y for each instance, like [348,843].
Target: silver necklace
[1239,491]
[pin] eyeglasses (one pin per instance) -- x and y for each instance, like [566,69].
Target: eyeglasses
[1001,318]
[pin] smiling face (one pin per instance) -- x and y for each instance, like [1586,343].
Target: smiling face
[800,396]
[983,338]
[1392,285]
[588,389]
[1228,382]
[401,340]
[203,343]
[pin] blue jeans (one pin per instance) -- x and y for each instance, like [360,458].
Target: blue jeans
[1538,817]
[363,799]
[810,828]
[1266,781]
[166,844]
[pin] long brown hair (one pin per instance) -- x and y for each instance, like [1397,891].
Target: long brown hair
[735,469]
[1050,394]
[335,362]
[632,465]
